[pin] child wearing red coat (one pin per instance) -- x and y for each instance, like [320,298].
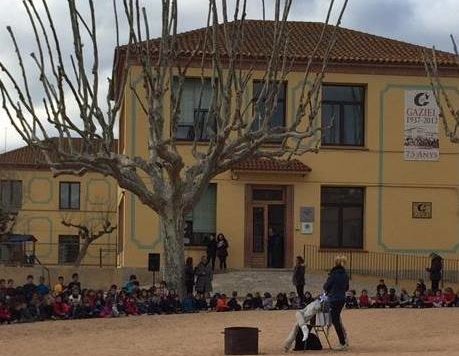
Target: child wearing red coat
[61,310]
[130,306]
[5,314]
[364,299]
[449,298]
[222,304]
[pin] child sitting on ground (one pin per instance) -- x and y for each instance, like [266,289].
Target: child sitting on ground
[417,301]
[281,302]
[268,303]
[308,299]
[61,310]
[213,301]
[201,303]
[294,301]
[392,299]
[189,304]
[438,300]
[5,314]
[248,302]
[364,299]
[222,304]
[351,300]
[449,297]
[233,304]
[381,287]
[257,302]
[429,299]
[380,301]
[405,299]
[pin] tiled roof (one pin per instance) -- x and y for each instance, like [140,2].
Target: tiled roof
[30,156]
[351,46]
[268,165]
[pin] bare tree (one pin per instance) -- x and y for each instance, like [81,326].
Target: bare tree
[90,230]
[238,132]
[449,115]
[7,221]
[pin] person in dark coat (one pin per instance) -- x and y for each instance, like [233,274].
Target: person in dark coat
[435,270]
[275,249]
[212,251]
[189,275]
[336,287]
[222,251]
[204,276]
[298,277]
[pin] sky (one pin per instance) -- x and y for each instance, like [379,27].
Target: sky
[423,22]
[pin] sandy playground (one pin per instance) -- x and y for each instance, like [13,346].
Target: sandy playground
[371,332]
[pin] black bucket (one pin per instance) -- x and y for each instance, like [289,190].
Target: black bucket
[241,341]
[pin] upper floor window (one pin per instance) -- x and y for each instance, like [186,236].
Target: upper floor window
[201,223]
[11,194]
[262,110]
[341,217]
[194,111]
[69,195]
[343,115]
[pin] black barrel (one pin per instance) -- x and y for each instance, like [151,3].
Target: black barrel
[241,341]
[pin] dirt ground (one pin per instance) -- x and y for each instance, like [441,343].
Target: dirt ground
[371,332]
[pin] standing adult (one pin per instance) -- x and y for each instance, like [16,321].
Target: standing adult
[336,286]
[275,249]
[212,251]
[203,274]
[435,270]
[189,275]
[298,277]
[222,250]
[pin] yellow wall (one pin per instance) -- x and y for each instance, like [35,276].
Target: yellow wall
[40,214]
[391,183]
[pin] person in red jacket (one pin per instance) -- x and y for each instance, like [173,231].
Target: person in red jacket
[449,297]
[222,304]
[364,299]
[5,314]
[130,306]
[61,310]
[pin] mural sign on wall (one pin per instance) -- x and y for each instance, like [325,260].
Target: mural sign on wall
[307,220]
[421,210]
[421,126]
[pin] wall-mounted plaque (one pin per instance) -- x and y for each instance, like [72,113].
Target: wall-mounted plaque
[421,210]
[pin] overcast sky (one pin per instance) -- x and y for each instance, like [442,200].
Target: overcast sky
[424,22]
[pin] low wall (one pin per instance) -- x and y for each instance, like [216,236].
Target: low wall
[90,277]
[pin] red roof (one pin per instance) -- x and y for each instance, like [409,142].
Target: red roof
[31,157]
[351,46]
[269,165]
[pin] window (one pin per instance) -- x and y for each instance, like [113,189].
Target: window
[278,117]
[194,117]
[11,194]
[69,247]
[341,217]
[201,223]
[69,195]
[342,115]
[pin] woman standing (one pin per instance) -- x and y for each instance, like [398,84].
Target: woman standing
[222,250]
[336,286]
[298,277]
[212,251]
[189,275]
[203,274]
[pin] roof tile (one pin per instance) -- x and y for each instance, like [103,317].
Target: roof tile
[270,165]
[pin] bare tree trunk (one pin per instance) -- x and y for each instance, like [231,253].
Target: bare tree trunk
[174,253]
[82,253]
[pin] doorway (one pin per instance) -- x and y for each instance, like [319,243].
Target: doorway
[268,242]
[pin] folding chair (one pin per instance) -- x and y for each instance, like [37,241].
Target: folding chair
[322,325]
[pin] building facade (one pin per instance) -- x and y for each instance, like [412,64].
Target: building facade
[385,179]
[42,202]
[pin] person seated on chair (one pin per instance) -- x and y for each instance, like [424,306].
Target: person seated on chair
[303,317]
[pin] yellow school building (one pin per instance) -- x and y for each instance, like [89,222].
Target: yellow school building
[385,179]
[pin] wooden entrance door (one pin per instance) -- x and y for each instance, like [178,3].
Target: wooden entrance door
[268,208]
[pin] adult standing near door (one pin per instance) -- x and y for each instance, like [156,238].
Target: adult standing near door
[275,249]
[336,287]
[212,251]
[298,277]
[189,275]
[435,270]
[222,251]
[204,276]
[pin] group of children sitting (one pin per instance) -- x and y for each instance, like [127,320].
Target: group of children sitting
[32,302]
[389,298]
